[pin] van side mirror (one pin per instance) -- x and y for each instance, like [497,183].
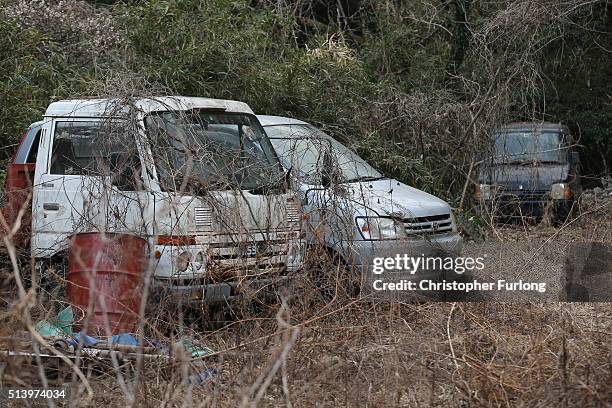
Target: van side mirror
[330,173]
[574,157]
[326,180]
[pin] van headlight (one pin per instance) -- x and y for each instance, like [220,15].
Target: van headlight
[182,261]
[377,228]
[560,191]
[485,191]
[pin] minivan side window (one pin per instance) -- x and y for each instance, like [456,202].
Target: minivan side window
[96,149]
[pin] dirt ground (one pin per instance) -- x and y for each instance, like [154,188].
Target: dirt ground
[522,352]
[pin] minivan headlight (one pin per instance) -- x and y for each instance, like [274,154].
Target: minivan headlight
[377,228]
[560,191]
[453,220]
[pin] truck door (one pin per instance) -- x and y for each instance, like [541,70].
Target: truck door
[90,179]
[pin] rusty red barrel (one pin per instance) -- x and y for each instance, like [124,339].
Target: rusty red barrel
[105,269]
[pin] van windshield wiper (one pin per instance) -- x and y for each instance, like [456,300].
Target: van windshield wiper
[278,185]
[532,162]
[521,162]
[549,162]
[364,178]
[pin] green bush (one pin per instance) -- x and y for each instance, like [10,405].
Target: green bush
[25,78]
[384,86]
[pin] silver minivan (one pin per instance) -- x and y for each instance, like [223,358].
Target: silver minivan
[357,213]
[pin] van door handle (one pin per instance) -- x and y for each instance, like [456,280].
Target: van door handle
[51,206]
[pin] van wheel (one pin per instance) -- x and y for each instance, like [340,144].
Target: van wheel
[565,214]
[331,277]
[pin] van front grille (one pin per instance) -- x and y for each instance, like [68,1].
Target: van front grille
[203,217]
[524,195]
[293,212]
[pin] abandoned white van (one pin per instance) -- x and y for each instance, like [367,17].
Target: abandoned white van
[362,217]
[196,177]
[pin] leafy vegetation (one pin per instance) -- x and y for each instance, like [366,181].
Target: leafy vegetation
[414,86]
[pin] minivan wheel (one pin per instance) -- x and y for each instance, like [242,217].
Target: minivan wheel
[331,277]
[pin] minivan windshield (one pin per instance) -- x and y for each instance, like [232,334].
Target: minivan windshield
[302,148]
[529,146]
[199,149]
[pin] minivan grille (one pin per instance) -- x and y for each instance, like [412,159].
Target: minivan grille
[434,224]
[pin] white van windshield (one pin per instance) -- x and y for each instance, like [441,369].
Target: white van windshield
[203,150]
[302,148]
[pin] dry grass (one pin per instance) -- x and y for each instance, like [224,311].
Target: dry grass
[359,354]
[506,355]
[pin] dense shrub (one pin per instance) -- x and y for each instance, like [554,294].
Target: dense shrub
[415,87]
[25,80]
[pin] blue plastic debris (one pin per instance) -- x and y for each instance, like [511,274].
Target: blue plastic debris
[59,330]
[88,341]
[49,330]
[63,320]
[123,338]
[58,327]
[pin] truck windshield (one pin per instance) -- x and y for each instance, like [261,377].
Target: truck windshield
[302,148]
[203,150]
[530,146]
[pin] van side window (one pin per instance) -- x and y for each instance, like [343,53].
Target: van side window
[96,149]
[73,148]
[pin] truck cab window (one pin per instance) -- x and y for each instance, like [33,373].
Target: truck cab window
[97,149]
[28,148]
[73,150]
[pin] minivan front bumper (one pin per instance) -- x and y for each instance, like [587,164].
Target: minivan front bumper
[366,257]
